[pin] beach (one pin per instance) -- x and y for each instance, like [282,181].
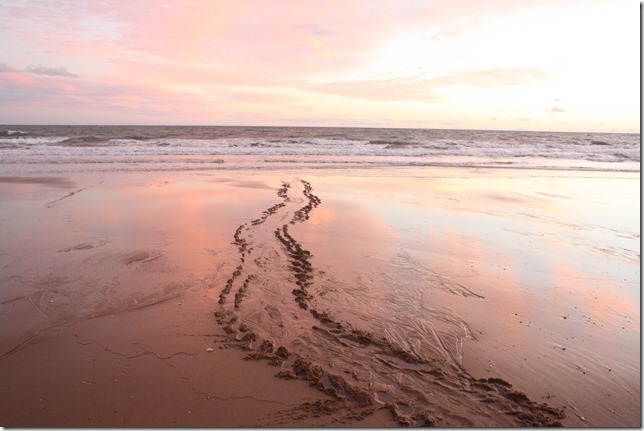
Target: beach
[320,297]
[307,214]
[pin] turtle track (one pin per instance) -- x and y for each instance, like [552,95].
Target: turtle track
[413,401]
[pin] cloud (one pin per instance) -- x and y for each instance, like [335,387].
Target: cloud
[458,18]
[5,68]
[255,42]
[22,88]
[394,89]
[51,71]
[556,110]
[265,98]
[40,70]
[252,56]
[415,89]
[496,77]
[316,29]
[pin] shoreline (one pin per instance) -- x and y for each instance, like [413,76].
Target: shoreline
[173,246]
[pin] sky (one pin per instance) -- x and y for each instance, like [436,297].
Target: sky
[561,65]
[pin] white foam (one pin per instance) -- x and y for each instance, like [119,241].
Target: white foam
[124,141]
[474,150]
[34,141]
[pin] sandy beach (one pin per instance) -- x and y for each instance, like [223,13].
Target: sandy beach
[306,214]
[377,298]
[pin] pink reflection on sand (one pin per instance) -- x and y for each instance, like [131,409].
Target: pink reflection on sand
[557,318]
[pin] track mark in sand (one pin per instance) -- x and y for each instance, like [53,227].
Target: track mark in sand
[76,247]
[27,339]
[283,193]
[300,265]
[142,256]
[18,298]
[406,382]
[69,195]
[245,249]
[333,411]
[302,214]
[82,246]
[49,204]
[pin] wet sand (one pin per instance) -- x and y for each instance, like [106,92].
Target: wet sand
[325,298]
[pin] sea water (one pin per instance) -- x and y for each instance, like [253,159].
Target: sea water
[67,149]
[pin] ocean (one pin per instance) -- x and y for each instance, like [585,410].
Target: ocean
[69,149]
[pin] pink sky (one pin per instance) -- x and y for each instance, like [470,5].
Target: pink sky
[487,64]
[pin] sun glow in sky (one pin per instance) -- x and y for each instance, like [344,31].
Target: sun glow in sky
[479,64]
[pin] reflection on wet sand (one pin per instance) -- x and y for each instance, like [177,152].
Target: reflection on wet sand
[439,300]
[539,269]
[104,250]
[402,362]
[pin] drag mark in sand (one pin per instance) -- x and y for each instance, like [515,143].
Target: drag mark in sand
[359,369]
[69,195]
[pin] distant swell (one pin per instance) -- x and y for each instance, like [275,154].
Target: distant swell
[84,140]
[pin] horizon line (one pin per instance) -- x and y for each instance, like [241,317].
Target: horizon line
[317,127]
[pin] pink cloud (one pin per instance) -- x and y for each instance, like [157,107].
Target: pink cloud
[25,89]
[51,71]
[254,41]
[197,57]
[268,99]
[410,89]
